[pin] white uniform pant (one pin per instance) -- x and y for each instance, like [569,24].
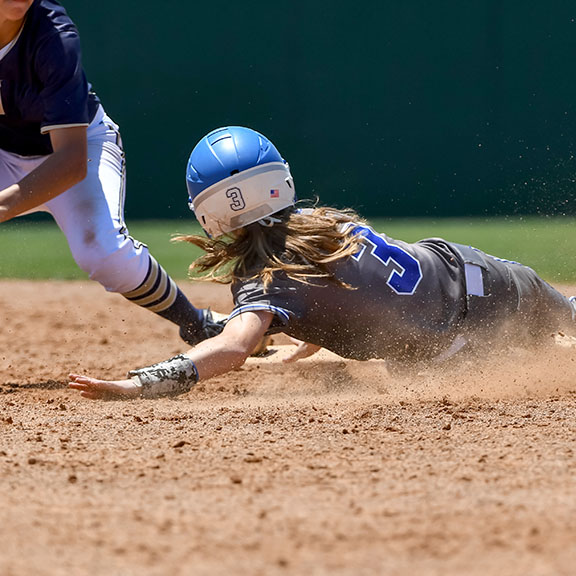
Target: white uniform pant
[91,213]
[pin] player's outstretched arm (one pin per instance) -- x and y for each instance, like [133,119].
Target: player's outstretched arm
[212,357]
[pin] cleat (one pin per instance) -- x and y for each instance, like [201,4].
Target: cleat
[212,324]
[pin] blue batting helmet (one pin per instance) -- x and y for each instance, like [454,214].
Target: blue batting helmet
[236,176]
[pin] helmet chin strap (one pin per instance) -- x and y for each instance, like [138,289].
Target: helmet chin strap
[268,221]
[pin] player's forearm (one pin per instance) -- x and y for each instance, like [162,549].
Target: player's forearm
[210,358]
[59,172]
[177,375]
[217,356]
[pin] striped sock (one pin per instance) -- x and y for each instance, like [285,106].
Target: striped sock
[160,294]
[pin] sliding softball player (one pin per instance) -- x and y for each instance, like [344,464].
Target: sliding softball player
[327,279]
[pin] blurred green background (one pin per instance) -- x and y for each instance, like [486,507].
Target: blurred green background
[397,108]
[38,250]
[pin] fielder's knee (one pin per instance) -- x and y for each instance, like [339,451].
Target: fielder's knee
[119,270]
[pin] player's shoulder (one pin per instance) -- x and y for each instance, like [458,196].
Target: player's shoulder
[47,19]
[242,287]
[251,288]
[50,38]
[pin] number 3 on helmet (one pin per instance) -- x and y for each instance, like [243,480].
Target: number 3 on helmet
[235,176]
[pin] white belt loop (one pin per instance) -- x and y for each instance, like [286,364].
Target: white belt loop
[474,281]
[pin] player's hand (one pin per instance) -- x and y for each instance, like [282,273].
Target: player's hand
[101,389]
[262,347]
[302,350]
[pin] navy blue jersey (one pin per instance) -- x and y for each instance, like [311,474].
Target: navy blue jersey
[405,300]
[42,82]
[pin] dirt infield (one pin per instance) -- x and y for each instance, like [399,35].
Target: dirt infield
[323,467]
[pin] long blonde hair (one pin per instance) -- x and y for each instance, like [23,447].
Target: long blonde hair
[301,244]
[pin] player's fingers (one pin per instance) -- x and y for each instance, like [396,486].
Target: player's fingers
[293,357]
[86,380]
[303,350]
[86,391]
[88,387]
[103,389]
[79,378]
[92,392]
[76,386]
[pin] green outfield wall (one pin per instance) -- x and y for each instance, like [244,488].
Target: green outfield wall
[395,107]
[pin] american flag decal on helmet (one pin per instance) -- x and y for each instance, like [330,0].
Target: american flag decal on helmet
[275,193]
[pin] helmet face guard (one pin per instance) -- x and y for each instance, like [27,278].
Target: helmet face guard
[244,198]
[236,177]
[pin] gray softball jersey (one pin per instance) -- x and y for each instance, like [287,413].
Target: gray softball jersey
[408,301]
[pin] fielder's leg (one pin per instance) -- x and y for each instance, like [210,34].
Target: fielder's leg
[159,293]
[91,215]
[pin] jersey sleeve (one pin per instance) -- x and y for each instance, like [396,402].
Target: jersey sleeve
[65,88]
[278,298]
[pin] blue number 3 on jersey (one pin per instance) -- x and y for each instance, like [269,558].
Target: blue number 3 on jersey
[404,272]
